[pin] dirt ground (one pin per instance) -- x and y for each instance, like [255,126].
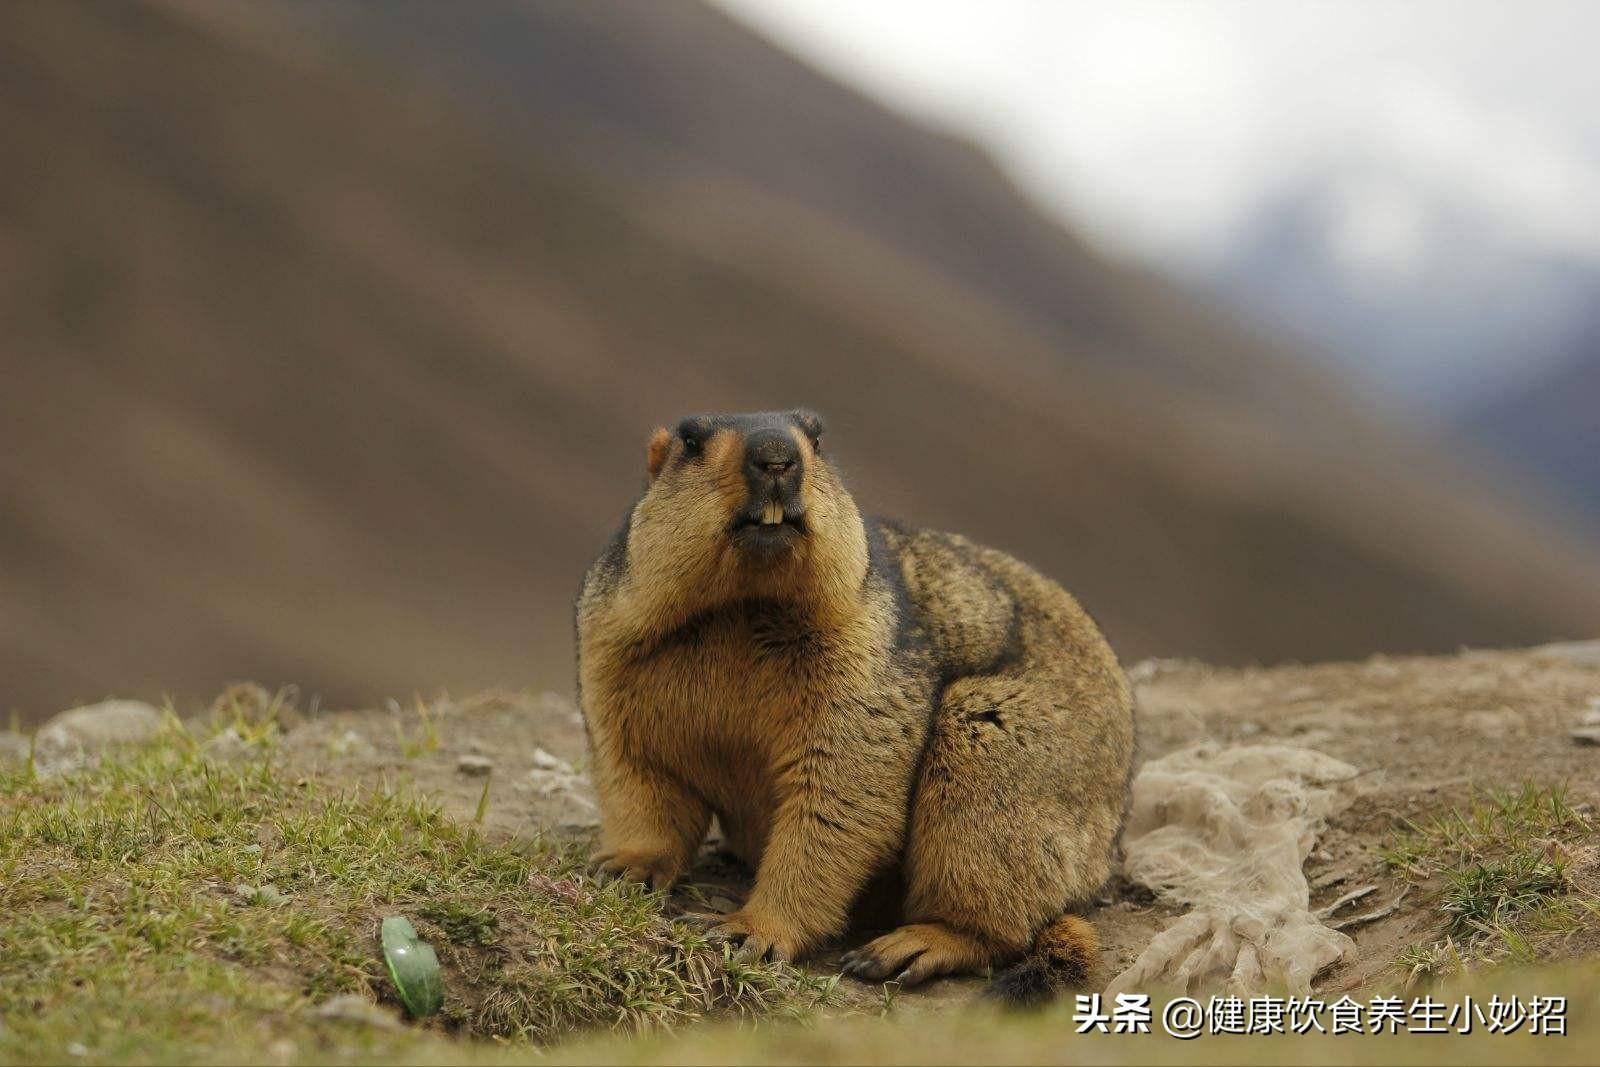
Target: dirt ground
[1425,732]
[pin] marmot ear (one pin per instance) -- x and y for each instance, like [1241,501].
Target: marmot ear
[656,455]
[810,422]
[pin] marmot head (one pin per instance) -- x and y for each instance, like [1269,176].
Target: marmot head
[746,505]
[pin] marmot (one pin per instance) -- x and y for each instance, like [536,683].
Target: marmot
[860,704]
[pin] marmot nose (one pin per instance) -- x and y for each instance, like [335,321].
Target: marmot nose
[771,452]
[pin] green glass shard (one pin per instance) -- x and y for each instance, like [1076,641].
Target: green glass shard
[413,967]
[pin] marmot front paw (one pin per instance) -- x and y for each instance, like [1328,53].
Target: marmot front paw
[648,868]
[754,938]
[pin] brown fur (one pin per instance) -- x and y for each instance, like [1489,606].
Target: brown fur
[871,701]
[1066,954]
[1071,946]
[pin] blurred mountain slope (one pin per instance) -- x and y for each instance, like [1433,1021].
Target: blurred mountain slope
[676,91]
[314,371]
[1550,423]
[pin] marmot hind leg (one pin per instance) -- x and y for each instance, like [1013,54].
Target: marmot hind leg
[1002,838]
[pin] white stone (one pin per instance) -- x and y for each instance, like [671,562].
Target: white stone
[474,766]
[228,745]
[544,761]
[74,738]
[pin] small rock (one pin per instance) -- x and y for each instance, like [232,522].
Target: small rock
[351,1008]
[1588,731]
[73,738]
[266,893]
[474,766]
[77,1050]
[544,761]
[227,747]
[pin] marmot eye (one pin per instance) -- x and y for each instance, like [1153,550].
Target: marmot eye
[691,443]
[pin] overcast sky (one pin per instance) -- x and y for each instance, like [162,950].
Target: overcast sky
[1157,126]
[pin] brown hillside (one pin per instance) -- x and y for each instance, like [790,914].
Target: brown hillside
[314,372]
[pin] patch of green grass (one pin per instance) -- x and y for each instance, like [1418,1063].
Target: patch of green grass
[1483,895]
[1494,820]
[165,907]
[461,922]
[1503,877]
[1431,962]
